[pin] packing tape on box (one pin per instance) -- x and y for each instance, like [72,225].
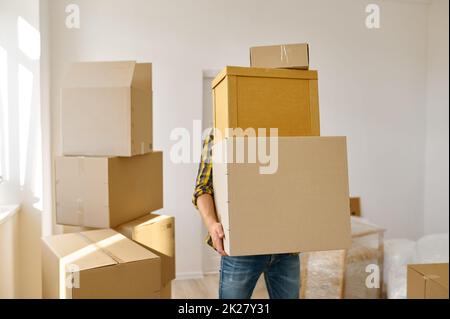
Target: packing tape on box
[102,249]
[284,55]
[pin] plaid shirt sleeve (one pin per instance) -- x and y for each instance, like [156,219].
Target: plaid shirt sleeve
[204,183]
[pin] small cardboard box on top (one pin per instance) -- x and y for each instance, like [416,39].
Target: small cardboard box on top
[106,109]
[98,264]
[294,200]
[157,233]
[286,56]
[105,192]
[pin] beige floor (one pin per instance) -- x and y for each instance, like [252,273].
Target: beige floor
[207,288]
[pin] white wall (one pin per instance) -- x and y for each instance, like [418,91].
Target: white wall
[436,172]
[372,85]
[20,129]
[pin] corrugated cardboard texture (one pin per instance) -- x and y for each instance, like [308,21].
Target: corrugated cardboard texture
[427,281]
[106,192]
[109,266]
[106,109]
[293,56]
[302,207]
[267,98]
[157,233]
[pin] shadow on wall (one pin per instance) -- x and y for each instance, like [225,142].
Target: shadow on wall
[20,147]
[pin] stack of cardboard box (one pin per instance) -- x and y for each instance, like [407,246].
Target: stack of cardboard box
[109,178]
[301,205]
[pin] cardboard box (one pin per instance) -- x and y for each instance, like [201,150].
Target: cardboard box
[302,207]
[104,192]
[166,291]
[99,264]
[427,281]
[267,98]
[355,206]
[289,56]
[106,109]
[157,233]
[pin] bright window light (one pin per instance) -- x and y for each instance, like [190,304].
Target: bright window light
[29,39]
[37,186]
[25,85]
[4,115]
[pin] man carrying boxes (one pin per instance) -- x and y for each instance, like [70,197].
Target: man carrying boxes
[109,177]
[257,222]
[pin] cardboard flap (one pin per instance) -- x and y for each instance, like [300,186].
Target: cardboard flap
[81,185]
[117,246]
[100,74]
[73,249]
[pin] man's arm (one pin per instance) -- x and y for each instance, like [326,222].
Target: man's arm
[205,204]
[203,198]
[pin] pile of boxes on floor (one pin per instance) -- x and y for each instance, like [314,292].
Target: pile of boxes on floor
[109,180]
[296,198]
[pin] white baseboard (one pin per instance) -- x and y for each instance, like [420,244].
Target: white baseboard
[194,275]
[189,275]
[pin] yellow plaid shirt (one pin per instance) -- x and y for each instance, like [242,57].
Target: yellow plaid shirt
[203,184]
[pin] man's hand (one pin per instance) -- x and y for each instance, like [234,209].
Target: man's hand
[217,236]
[206,208]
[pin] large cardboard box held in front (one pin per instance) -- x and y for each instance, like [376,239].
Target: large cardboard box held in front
[105,192]
[99,264]
[290,56]
[303,206]
[427,281]
[267,98]
[106,109]
[157,233]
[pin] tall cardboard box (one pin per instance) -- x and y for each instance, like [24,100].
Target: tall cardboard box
[289,56]
[106,109]
[427,281]
[303,206]
[157,233]
[105,192]
[99,264]
[267,98]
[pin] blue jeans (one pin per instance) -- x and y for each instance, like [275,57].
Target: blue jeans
[238,276]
